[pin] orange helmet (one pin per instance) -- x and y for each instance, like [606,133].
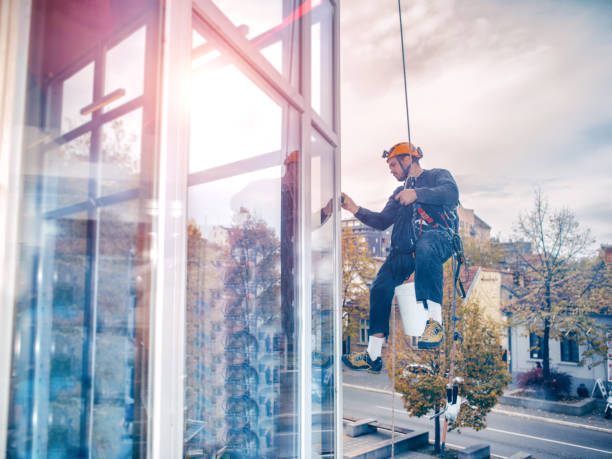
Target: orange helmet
[292,157]
[403,148]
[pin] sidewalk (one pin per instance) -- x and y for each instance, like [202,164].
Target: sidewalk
[382,382]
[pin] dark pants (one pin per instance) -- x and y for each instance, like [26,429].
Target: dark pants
[433,248]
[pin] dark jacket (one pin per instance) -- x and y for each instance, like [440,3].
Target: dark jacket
[437,195]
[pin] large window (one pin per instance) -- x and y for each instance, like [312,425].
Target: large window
[81,335]
[176,256]
[241,385]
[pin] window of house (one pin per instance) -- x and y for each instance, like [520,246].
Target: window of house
[364,326]
[569,349]
[535,346]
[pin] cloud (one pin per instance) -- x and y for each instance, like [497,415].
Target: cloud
[507,97]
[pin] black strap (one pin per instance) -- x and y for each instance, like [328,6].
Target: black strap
[460,257]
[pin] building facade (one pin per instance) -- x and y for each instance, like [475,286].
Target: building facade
[472,225]
[378,241]
[170,229]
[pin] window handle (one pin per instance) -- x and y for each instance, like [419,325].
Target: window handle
[103,101]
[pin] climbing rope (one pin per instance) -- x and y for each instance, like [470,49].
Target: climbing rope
[451,390]
[399,7]
[393,373]
[393,303]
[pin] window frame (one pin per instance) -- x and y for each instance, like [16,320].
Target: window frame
[568,345]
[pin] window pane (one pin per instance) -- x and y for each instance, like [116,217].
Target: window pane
[322,71]
[79,356]
[77,93]
[272,27]
[231,117]
[63,172]
[125,66]
[322,189]
[241,380]
[121,150]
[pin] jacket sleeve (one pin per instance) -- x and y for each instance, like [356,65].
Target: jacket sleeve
[379,220]
[444,192]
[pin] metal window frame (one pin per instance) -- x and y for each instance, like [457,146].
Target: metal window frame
[14,43]
[168,321]
[167,334]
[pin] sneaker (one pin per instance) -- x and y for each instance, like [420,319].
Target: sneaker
[362,361]
[432,336]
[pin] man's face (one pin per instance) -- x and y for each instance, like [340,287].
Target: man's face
[396,169]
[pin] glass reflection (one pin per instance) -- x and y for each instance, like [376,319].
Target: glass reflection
[78,377]
[241,391]
[121,147]
[322,190]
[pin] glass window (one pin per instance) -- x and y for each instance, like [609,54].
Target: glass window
[125,67]
[364,326]
[238,104]
[569,349]
[77,93]
[78,378]
[322,71]
[121,150]
[241,380]
[273,27]
[535,346]
[322,237]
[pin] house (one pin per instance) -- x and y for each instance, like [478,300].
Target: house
[565,354]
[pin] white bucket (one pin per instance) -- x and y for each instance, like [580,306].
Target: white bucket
[414,315]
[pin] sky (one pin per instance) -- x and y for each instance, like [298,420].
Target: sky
[509,96]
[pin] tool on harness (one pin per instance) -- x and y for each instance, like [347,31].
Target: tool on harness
[458,253]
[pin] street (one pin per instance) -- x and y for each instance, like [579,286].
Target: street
[506,434]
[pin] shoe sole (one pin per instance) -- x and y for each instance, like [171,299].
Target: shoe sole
[352,367]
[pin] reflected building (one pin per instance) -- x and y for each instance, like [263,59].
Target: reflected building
[170,263]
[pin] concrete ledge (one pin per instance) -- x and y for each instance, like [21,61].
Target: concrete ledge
[479,451]
[382,449]
[579,408]
[359,427]
[520,455]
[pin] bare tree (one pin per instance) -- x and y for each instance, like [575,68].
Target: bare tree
[552,286]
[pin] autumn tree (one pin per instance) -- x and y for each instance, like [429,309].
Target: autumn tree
[358,270]
[421,376]
[557,284]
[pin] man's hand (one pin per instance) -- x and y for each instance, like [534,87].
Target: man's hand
[348,204]
[406,197]
[328,208]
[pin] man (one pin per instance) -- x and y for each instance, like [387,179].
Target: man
[423,215]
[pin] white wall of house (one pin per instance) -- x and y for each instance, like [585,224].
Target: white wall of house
[521,361]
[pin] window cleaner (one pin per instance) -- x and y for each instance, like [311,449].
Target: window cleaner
[425,224]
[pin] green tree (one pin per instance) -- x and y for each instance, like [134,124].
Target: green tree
[358,270]
[557,293]
[421,376]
